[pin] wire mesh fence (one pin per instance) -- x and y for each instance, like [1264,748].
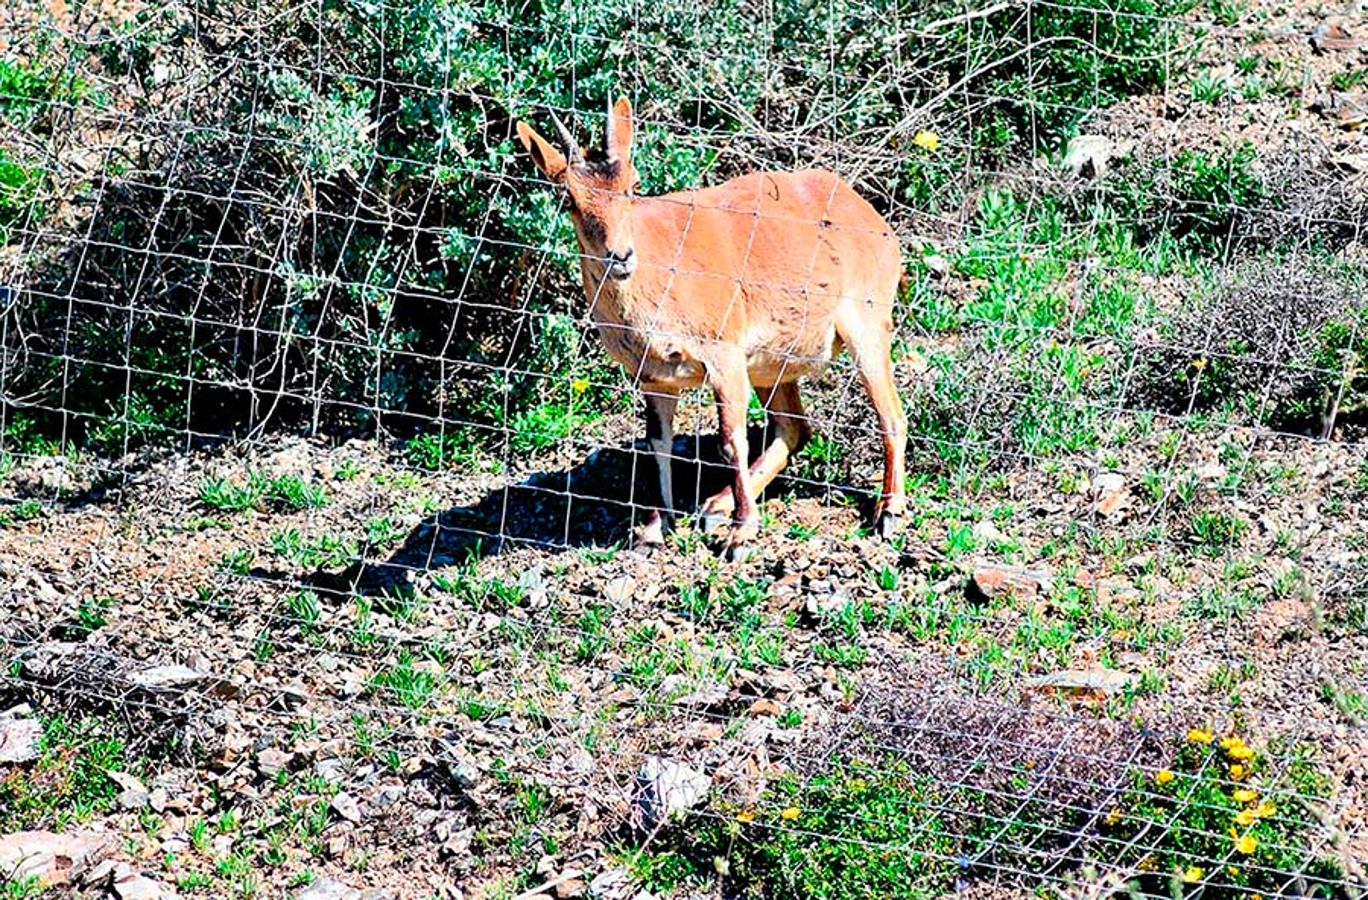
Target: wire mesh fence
[332,541]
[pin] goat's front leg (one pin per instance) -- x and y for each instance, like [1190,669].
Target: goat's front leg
[732,387]
[661,403]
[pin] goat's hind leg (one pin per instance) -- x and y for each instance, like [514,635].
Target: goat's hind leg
[870,345]
[732,387]
[791,432]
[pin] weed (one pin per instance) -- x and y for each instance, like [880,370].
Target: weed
[69,783]
[91,616]
[824,837]
[288,492]
[1209,88]
[413,683]
[454,449]
[1230,821]
[1216,532]
[23,511]
[304,610]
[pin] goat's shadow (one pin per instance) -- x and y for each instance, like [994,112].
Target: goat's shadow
[596,503]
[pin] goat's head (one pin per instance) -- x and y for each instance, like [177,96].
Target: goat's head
[599,186]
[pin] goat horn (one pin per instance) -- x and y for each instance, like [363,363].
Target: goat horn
[572,149]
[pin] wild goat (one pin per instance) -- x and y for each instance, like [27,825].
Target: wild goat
[756,282]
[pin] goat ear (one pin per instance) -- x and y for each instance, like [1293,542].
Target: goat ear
[546,157]
[622,130]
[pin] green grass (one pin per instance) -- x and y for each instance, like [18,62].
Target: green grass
[22,888]
[69,783]
[323,552]
[1215,533]
[288,492]
[412,685]
[859,832]
[23,511]
[1231,843]
[450,450]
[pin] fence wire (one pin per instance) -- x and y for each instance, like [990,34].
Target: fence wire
[322,501]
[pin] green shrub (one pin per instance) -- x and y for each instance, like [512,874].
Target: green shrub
[1214,193]
[69,783]
[393,256]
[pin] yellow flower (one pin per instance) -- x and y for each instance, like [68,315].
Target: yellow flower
[580,385]
[1247,844]
[1231,741]
[1245,795]
[1199,364]
[789,813]
[1265,809]
[1200,736]
[927,140]
[1193,874]
[1245,818]
[1113,817]
[1163,776]
[1241,752]
[746,816]
[1237,771]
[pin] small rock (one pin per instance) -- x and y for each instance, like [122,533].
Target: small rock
[1332,35]
[328,889]
[986,532]
[100,875]
[271,762]
[666,788]
[332,769]
[1109,482]
[936,265]
[1088,155]
[765,707]
[19,739]
[620,589]
[139,887]
[1350,162]
[345,805]
[1097,680]
[990,582]
[1346,110]
[163,677]
[134,795]
[611,883]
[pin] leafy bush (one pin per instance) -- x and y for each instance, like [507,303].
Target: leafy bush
[1213,194]
[343,235]
[1272,339]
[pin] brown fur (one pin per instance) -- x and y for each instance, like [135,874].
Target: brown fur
[756,282]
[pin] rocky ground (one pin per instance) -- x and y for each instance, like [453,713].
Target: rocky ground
[291,667]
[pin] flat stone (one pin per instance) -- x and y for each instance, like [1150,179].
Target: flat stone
[990,581]
[19,740]
[666,788]
[163,677]
[53,859]
[345,805]
[140,887]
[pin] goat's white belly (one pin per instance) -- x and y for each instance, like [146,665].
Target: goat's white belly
[801,356]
